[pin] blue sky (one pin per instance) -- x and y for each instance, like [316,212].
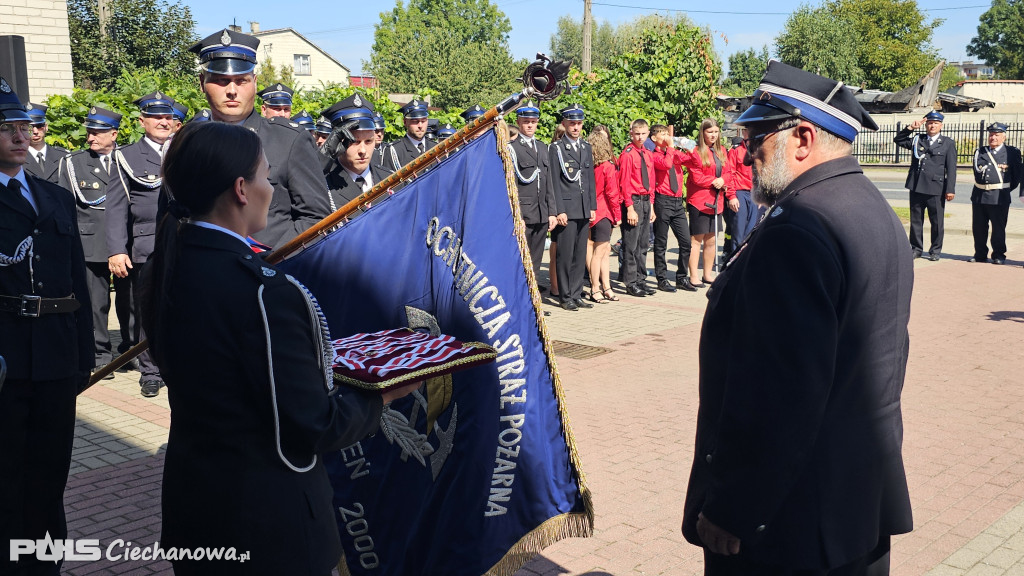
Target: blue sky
[345,28]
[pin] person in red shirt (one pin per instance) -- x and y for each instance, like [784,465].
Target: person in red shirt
[670,211]
[636,186]
[739,181]
[704,190]
[609,213]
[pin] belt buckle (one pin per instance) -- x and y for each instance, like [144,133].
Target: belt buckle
[30,306]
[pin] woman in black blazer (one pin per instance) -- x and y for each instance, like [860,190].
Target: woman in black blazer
[247,363]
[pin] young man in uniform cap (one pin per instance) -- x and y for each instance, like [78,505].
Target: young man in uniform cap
[45,339]
[132,206]
[636,185]
[798,465]
[379,126]
[445,130]
[997,172]
[180,112]
[350,146]
[472,113]
[575,191]
[90,175]
[305,120]
[533,178]
[931,180]
[433,124]
[43,160]
[405,150]
[277,101]
[321,130]
[227,60]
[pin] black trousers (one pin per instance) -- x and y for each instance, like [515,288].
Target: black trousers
[935,205]
[123,308]
[634,242]
[874,563]
[37,428]
[147,367]
[535,236]
[97,279]
[571,257]
[981,215]
[670,214]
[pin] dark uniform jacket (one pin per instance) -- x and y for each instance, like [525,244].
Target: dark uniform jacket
[402,151]
[536,198]
[132,202]
[83,174]
[987,174]
[803,352]
[343,190]
[225,483]
[52,346]
[932,167]
[300,194]
[51,163]
[572,178]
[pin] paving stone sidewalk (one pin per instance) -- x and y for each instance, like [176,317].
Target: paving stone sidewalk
[633,410]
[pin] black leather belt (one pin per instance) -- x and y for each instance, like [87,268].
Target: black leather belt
[35,306]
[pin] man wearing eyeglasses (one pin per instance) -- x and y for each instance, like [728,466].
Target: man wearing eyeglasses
[931,180]
[46,340]
[798,465]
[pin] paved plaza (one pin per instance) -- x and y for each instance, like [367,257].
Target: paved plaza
[633,401]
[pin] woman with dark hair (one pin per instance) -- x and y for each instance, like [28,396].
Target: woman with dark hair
[705,185]
[246,360]
[608,216]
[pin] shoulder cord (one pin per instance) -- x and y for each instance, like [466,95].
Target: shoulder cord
[394,157]
[515,166]
[24,249]
[94,204]
[917,153]
[321,332]
[150,184]
[978,168]
[561,164]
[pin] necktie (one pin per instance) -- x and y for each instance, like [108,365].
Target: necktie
[106,164]
[361,182]
[673,182]
[14,186]
[643,172]
[419,147]
[40,157]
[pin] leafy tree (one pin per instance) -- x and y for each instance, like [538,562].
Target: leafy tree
[745,70]
[268,74]
[949,78]
[815,40]
[567,42]
[1000,39]
[140,34]
[458,48]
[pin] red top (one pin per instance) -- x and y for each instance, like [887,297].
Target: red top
[630,180]
[737,176]
[698,185]
[608,201]
[665,160]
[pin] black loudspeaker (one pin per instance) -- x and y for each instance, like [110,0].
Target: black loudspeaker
[13,67]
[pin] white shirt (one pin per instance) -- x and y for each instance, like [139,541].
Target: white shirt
[35,153]
[154,145]
[367,177]
[211,226]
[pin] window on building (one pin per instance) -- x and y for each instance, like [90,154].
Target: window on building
[301,65]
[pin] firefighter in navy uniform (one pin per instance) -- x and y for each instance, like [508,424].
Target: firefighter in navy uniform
[43,160]
[227,60]
[997,173]
[89,175]
[277,101]
[350,147]
[931,180]
[132,206]
[533,178]
[46,340]
[406,149]
[379,126]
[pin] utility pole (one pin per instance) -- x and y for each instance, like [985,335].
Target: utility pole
[588,25]
[103,11]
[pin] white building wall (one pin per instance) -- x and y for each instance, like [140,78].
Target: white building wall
[281,48]
[44,25]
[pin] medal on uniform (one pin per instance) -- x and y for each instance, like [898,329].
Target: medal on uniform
[95,185]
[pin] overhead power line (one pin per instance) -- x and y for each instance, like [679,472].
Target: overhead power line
[740,13]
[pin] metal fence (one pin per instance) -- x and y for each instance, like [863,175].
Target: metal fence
[878,147]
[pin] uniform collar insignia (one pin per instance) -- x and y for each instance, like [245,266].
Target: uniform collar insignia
[225,38]
[269,272]
[777,211]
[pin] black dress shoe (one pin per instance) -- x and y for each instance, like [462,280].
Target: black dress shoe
[999,261]
[581,303]
[976,259]
[569,305]
[636,291]
[933,257]
[648,290]
[916,254]
[151,388]
[132,364]
[685,284]
[666,286]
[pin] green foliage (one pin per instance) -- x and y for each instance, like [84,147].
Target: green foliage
[949,78]
[884,44]
[140,34]
[269,74]
[1000,39]
[746,68]
[670,77]
[459,48]
[567,42]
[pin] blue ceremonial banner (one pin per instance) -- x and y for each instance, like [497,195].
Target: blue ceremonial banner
[477,471]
